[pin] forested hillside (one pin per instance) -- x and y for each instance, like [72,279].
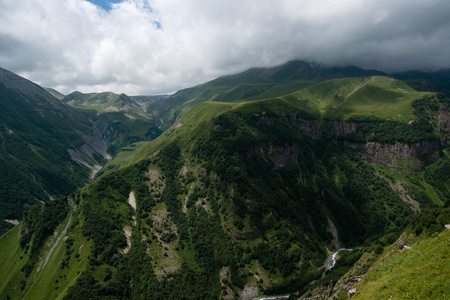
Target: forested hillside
[49,149]
[244,198]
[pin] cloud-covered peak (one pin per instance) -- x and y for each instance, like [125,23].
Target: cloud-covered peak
[159,46]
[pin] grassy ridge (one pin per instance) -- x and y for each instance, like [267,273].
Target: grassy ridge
[256,83]
[420,273]
[381,97]
[108,102]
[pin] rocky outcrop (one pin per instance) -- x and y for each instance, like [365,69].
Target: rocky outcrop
[309,127]
[313,128]
[389,154]
[341,128]
[444,122]
[400,155]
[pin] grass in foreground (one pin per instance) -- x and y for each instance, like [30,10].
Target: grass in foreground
[422,272]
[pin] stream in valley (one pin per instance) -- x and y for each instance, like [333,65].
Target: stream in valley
[330,262]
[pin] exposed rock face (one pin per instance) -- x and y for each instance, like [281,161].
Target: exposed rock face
[388,154]
[312,127]
[403,157]
[392,155]
[341,128]
[444,121]
[309,127]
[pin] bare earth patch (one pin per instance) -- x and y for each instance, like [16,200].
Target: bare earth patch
[204,204]
[127,232]
[249,292]
[403,194]
[184,171]
[223,274]
[163,253]
[132,200]
[186,200]
[14,222]
[153,175]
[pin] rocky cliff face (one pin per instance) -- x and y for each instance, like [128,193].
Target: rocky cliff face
[308,127]
[400,155]
[444,121]
[313,128]
[341,128]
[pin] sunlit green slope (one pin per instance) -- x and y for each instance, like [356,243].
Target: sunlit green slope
[255,83]
[381,97]
[421,272]
[108,102]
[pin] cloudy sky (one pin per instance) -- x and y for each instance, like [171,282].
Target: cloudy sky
[160,46]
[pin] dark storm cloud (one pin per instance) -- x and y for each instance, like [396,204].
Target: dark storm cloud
[159,46]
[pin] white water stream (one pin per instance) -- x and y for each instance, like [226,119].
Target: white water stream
[331,260]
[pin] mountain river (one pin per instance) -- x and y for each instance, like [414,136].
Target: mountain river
[330,262]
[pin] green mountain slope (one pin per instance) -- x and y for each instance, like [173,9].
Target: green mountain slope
[241,198]
[255,83]
[48,149]
[421,272]
[438,81]
[414,266]
[126,120]
[36,136]
[108,102]
[381,97]
[55,93]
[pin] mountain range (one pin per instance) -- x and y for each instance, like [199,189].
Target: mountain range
[237,188]
[48,148]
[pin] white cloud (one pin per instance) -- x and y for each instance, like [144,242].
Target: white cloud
[74,45]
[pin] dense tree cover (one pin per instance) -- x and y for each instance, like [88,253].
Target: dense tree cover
[437,174]
[241,208]
[361,203]
[169,161]
[103,223]
[431,220]
[213,248]
[427,107]
[28,174]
